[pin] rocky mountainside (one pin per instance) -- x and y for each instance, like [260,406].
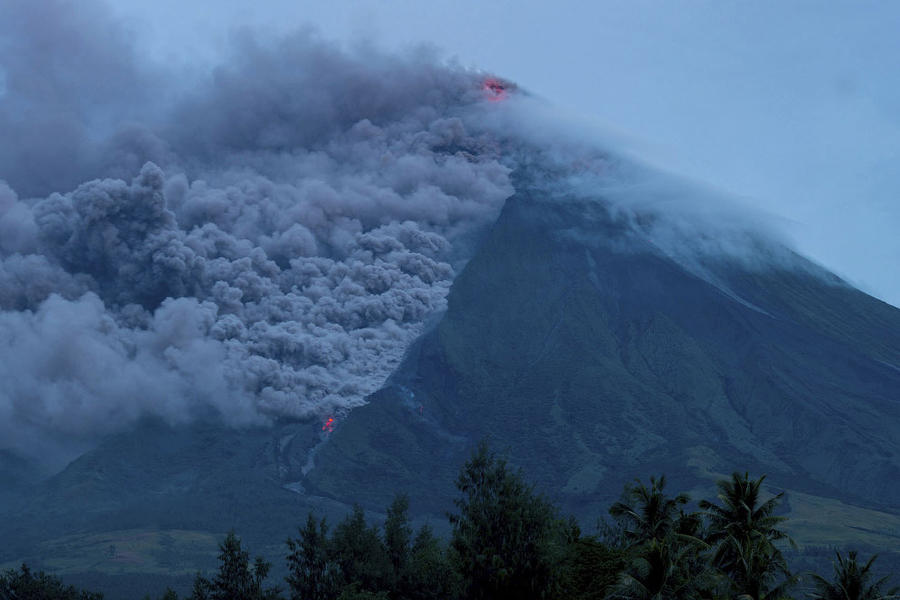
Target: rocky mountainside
[585,353]
[593,361]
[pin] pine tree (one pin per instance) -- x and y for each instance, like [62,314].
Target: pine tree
[397,534]
[507,540]
[235,578]
[430,576]
[313,575]
[359,551]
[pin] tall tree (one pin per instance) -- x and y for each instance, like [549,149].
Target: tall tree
[663,549]
[361,554]
[654,573]
[312,573]
[647,513]
[397,534]
[744,531]
[507,540]
[430,574]
[592,568]
[235,579]
[853,581]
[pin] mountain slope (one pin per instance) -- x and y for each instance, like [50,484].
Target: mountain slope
[592,362]
[204,478]
[581,351]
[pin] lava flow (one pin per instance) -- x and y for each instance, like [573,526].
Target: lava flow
[496,89]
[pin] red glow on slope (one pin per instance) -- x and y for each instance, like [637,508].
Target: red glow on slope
[495,89]
[328,426]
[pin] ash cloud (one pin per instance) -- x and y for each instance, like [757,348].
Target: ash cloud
[257,242]
[262,243]
[71,75]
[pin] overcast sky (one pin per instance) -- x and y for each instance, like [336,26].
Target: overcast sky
[794,106]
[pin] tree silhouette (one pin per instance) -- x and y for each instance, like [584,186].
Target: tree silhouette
[507,540]
[235,579]
[25,584]
[744,531]
[313,574]
[646,513]
[662,542]
[397,534]
[654,573]
[431,576]
[852,581]
[360,553]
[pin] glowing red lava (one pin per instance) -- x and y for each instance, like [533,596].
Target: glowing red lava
[328,426]
[495,89]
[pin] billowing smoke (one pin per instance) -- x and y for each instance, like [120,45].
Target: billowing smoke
[274,237]
[263,241]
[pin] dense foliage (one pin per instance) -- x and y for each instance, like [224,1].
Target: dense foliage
[25,584]
[510,543]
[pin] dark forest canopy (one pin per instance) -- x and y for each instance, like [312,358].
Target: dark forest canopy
[510,542]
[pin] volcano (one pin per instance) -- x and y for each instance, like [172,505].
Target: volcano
[321,277]
[584,352]
[591,362]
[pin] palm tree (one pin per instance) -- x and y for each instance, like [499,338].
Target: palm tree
[744,532]
[664,549]
[652,574]
[759,565]
[851,582]
[647,513]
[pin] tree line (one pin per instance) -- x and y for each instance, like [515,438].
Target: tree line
[510,543]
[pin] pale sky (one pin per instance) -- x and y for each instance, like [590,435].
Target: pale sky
[794,106]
